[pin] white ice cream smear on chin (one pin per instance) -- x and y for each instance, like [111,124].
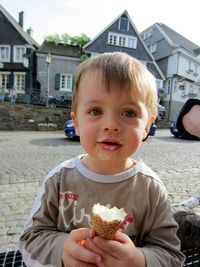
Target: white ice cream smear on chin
[107,214]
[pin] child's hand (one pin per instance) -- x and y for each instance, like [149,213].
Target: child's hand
[117,252]
[75,254]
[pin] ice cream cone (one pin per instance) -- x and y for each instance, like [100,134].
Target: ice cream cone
[106,222]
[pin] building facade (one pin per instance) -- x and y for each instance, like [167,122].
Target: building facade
[179,60]
[17,57]
[56,66]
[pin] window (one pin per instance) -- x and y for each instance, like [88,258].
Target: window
[147,34]
[66,82]
[112,39]
[190,67]
[4,53]
[19,81]
[19,52]
[122,40]
[4,80]
[159,83]
[196,70]
[123,24]
[152,48]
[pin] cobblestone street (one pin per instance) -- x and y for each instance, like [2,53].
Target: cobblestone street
[26,157]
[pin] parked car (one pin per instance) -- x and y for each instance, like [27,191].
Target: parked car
[70,130]
[161,112]
[43,101]
[60,101]
[152,130]
[174,130]
[63,101]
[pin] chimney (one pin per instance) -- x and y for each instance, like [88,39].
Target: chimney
[29,31]
[21,19]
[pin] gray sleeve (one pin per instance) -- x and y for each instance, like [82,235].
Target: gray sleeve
[41,243]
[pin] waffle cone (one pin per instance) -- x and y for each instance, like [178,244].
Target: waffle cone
[105,229]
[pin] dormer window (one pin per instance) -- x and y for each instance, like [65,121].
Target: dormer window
[123,24]
[152,48]
[122,40]
[147,34]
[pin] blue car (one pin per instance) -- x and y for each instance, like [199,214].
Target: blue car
[174,130]
[152,130]
[70,130]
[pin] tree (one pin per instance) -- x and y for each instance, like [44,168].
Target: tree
[66,39]
[53,38]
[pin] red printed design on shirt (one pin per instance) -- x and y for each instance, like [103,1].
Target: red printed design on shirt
[69,196]
[126,222]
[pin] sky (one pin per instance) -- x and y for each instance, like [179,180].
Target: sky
[48,17]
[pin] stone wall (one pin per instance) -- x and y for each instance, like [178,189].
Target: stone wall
[27,117]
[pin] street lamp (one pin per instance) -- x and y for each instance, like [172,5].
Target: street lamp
[48,61]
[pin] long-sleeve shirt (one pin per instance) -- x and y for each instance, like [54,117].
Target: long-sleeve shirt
[65,203]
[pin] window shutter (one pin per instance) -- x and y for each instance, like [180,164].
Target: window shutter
[27,81]
[11,80]
[57,81]
[73,83]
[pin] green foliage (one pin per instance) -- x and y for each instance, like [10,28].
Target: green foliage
[53,38]
[66,39]
[84,56]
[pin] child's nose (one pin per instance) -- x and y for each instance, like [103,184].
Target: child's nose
[112,124]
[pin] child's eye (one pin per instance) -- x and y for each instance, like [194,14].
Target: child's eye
[128,113]
[95,112]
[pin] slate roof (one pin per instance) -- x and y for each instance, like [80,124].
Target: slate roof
[60,49]
[177,40]
[24,34]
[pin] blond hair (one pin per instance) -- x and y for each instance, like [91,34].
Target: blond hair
[125,70]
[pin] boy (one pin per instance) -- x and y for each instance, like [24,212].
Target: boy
[114,104]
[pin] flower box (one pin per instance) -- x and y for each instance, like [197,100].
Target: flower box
[47,127]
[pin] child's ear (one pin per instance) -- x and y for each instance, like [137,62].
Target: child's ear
[73,116]
[146,131]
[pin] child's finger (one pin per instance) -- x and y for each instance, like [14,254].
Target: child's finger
[116,247]
[80,234]
[80,253]
[86,255]
[91,245]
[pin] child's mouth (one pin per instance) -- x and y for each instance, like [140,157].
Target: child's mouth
[110,145]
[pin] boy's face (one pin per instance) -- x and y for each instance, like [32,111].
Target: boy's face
[110,124]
